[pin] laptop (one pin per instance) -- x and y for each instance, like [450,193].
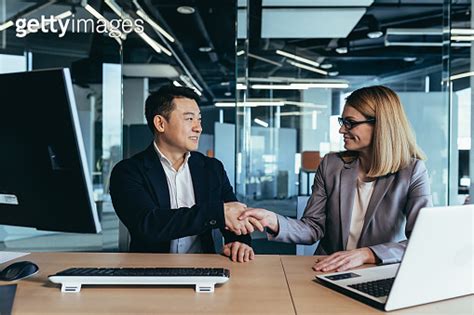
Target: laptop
[437,264]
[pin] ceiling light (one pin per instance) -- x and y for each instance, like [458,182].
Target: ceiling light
[342,50]
[155,25]
[375,34]
[326,66]
[6,25]
[227,93]
[461,75]
[301,86]
[205,49]
[184,9]
[176,83]
[409,59]
[374,27]
[261,122]
[225,83]
[241,86]
[333,73]
[462,31]
[240,53]
[250,104]
[295,57]
[302,66]
[189,84]
[462,38]
[109,26]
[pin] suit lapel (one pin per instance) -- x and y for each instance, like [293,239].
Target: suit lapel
[199,178]
[157,177]
[346,198]
[381,187]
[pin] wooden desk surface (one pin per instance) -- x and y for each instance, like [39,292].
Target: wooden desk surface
[267,285]
[257,287]
[310,297]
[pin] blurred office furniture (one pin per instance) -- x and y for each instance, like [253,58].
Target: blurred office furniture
[304,250]
[309,164]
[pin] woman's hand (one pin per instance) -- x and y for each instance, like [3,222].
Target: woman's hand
[344,260]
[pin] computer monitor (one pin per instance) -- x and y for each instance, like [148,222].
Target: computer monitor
[44,177]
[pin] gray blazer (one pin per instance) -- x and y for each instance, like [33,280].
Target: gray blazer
[391,213]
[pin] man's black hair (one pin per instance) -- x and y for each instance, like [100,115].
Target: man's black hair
[161,102]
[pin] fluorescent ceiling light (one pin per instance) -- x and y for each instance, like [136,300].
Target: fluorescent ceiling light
[342,50]
[116,8]
[300,86]
[462,31]
[176,83]
[99,16]
[326,66]
[189,84]
[306,104]
[241,86]
[153,24]
[153,44]
[250,104]
[298,58]
[375,34]
[6,25]
[414,31]
[461,75]
[240,53]
[463,38]
[184,9]
[309,68]
[261,122]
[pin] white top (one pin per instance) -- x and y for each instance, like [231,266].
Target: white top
[180,186]
[363,193]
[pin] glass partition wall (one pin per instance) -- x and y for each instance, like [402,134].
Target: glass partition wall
[298,61]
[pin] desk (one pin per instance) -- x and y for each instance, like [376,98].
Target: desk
[310,297]
[262,278]
[267,285]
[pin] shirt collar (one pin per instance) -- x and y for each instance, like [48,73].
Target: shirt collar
[164,159]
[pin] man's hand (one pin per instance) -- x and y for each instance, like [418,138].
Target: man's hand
[344,260]
[232,210]
[238,252]
[261,218]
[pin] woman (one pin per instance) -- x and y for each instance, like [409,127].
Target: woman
[364,200]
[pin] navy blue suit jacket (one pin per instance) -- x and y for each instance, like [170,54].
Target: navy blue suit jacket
[140,196]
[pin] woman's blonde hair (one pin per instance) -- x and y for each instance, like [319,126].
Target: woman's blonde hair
[393,142]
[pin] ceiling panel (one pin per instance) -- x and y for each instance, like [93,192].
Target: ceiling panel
[309,23]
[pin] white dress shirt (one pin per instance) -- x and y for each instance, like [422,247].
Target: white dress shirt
[362,196]
[180,185]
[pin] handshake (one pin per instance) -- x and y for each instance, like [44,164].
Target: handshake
[242,220]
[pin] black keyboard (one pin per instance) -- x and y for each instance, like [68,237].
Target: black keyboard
[376,288]
[145,272]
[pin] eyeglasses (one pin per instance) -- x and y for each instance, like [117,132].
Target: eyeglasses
[349,124]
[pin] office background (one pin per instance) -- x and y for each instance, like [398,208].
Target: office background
[264,109]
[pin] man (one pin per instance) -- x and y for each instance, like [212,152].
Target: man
[170,197]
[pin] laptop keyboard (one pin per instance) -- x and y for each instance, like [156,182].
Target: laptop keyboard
[376,288]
